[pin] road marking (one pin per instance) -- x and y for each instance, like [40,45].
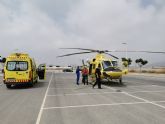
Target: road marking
[160,101]
[145,100]
[79,94]
[161,91]
[96,105]
[64,88]
[0,84]
[41,109]
[145,86]
[114,92]
[99,105]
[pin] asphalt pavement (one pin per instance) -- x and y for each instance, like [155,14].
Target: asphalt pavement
[58,100]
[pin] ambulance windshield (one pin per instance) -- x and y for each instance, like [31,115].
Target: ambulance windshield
[17,66]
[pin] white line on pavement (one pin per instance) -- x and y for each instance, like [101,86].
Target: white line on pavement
[161,106]
[145,86]
[159,101]
[64,88]
[41,109]
[147,101]
[114,92]
[160,91]
[97,105]
[78,94]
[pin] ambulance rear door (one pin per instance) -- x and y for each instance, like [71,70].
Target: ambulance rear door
[41,71]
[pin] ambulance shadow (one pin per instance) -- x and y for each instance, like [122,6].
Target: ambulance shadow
[21,86]
[28,86]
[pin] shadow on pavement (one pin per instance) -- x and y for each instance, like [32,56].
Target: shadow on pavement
[28,86]
[114,84]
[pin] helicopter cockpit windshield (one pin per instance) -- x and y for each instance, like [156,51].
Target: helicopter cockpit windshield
[114,63]
[110,66]
[106,64]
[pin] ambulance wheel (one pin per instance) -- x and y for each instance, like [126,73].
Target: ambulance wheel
[31,83]
[8,86]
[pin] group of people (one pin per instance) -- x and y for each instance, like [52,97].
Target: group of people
[85,74]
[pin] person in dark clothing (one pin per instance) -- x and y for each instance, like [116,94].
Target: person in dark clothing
[98,77]
[78,75]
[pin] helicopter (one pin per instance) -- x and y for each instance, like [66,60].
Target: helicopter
[109,67]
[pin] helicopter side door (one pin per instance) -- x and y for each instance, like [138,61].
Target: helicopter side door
[90,69]
[93,68]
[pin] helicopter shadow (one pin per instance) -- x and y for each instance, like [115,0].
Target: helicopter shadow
[114,84]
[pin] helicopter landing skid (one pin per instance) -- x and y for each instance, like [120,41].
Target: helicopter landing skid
[109,78]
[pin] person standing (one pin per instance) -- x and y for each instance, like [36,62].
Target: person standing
[78,75]
[85,73]
[98,77]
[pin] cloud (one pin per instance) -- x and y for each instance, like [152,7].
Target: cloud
[41,27]
[111,21]
[29,28]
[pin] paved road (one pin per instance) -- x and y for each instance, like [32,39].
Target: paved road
[58,100]
[21,104]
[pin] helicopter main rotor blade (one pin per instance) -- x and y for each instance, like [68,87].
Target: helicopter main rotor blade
[112,55]
[110,51]
[148,52]
[133,51]
[92,50]
[74,54]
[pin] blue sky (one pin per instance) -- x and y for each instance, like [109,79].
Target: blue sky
[41,27]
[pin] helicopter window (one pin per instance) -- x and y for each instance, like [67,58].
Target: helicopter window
[114,63]
[106,64]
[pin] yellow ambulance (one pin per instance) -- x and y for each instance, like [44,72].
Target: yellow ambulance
[20,68]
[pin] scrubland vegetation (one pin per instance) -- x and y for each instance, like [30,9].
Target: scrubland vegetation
[148,70]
